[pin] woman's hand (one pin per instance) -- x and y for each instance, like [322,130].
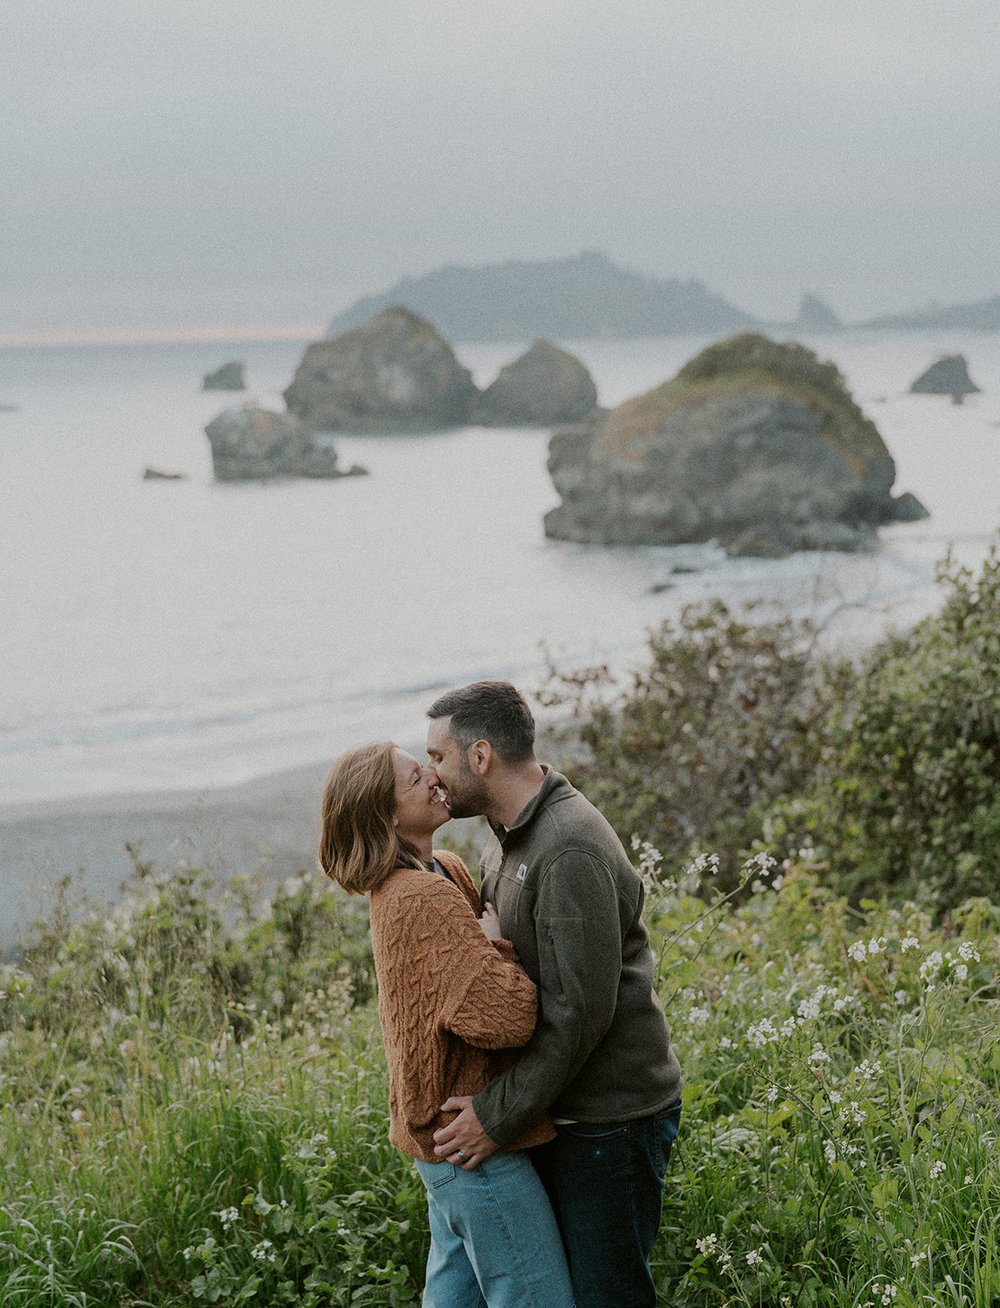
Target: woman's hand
[490,923]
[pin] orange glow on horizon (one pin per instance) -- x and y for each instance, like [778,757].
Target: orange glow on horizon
[216,332]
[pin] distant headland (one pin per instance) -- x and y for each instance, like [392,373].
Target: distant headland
[581,297]
[588,296]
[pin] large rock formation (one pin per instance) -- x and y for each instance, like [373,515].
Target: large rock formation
[543,387]
[392,373]
[227,378]
[251,443]
[949,376]
[755,444]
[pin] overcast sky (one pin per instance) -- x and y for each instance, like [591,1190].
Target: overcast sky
[185,162]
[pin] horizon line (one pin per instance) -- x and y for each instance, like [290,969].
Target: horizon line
[217,333]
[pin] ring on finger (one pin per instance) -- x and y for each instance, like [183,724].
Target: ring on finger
[462,1155]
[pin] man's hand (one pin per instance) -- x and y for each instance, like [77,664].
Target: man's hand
[462,1142]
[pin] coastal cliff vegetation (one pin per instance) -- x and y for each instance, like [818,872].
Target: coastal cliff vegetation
[192,1087]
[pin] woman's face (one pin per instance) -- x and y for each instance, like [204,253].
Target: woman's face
[419,806]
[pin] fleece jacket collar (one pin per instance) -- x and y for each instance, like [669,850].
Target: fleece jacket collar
[554,788]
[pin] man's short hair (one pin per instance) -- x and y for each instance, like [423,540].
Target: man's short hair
[489,710]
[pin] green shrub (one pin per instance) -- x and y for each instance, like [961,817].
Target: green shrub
[908,789]
[727,715]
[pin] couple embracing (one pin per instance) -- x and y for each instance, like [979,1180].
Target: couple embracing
[530,1067]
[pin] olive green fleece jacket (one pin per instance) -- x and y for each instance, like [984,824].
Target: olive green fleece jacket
[571,902]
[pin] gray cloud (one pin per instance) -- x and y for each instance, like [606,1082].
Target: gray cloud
[168,158]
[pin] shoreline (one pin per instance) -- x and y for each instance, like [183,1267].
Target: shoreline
[267,827]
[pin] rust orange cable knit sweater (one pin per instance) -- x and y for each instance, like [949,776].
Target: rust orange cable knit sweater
[447,997]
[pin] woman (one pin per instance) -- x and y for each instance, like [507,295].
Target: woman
[447,996]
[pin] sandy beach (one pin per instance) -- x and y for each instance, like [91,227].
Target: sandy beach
[266,827]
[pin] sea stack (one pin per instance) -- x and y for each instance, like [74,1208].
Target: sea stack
[543,387]
[227,378]
[948,376]
[250,443]
[391,373]
[755,444]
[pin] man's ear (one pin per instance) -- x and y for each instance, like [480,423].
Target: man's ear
[481,756]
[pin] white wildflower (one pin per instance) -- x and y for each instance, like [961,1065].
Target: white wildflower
[772,1094]
[725,1043]
[761,1033]
[698,1016]
[876,944]
[961,971]
[938,1168]
[868,1069]
[754,1258]
[899,998]
[885,1294]
[968,952]
[910,942]
[818,1055]
[228,1217]
[707,1244]
[263,1252]
[930,965]
[830,1150]
[857,951]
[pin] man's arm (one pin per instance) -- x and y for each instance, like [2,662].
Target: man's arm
[578,929]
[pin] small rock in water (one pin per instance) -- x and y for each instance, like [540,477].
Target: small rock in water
[157,474]
[948,376]
[227,378]
[253,443]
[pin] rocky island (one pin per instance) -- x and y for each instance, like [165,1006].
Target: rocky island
[583,296]
[227,378]
[543,387]
[391,373]
[948,376]
[251,443]
[756,444]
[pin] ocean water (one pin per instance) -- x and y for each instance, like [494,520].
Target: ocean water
[165,635]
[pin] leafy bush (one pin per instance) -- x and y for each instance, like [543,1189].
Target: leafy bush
[727,716]
[737,734]
[839,1141]
[910,776]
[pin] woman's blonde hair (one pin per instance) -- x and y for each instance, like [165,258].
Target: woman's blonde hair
[359,844]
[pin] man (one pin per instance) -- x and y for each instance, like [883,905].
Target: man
[600,1060]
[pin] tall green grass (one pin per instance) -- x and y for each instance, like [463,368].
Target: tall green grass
[192,1112]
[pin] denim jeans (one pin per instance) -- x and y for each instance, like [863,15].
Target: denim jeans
[494,1239]
[605,1181]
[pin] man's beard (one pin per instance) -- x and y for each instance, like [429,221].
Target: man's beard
[470,797]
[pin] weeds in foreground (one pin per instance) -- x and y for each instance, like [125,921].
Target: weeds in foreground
[195,1113]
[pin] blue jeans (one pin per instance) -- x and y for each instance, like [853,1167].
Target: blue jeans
[605,1181]
[494,1240]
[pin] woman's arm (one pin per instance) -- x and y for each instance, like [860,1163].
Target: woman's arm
[483,995]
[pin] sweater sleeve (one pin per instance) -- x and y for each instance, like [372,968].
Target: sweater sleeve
[578,930]
[484,997]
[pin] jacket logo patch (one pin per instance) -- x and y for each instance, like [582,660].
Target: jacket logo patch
[522,872]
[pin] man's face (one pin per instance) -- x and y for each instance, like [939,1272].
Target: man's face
[448,761]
